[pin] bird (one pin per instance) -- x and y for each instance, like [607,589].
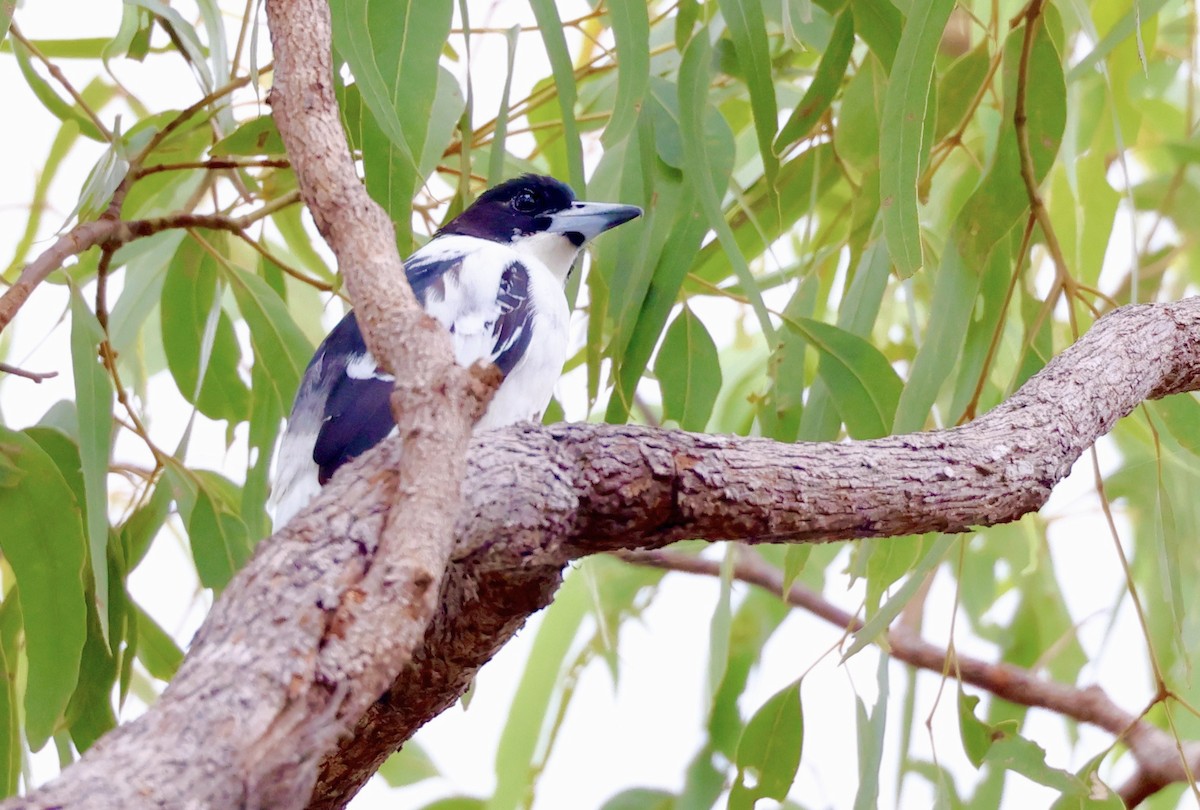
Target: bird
[494,276]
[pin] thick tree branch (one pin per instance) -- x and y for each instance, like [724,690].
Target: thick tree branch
[572,490]
[281,656]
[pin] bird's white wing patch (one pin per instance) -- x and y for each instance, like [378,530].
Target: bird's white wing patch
[364,367]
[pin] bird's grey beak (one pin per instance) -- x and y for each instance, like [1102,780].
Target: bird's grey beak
[589,219]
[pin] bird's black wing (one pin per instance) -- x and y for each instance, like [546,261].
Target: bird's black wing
[512,330]
[486,324]
[357,414]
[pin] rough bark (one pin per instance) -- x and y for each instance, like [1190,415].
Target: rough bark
[569,490]
[572,490]
[298,649]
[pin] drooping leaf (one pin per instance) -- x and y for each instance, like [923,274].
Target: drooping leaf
[408,766]
[10,724]
[748,29]
[902,131]
[863,385]
[519,739]
[94,402]
[45,543]
[201,349]
[880,25]
[157,651]
[641,799]
[280,347]
[699,158]
[689,372]
[770,749]
[820,93]
[551,29]
[631,31]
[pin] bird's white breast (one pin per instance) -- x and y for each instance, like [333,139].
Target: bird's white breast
[469,309]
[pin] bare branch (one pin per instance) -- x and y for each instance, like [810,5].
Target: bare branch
[29,375]
[1153,748]
[112,233]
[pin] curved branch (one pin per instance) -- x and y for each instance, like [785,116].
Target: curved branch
[1154,750]
[112,232]
[266,686]
[572,490]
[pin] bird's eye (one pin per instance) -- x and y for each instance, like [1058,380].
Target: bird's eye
[524,202]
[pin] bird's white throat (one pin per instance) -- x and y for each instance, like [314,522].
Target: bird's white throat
[554,250]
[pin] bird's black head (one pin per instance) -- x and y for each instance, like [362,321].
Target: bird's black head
[515,208]
[539,216]
[533,204]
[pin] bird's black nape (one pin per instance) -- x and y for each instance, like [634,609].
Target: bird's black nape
[513,209]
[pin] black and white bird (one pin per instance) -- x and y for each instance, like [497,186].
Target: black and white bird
[494,277]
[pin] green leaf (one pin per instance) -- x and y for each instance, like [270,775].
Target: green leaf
[781,407]
[44,542]
[258,136]
[408,766]
[530,704]
[821,92]
[755,620]
[280,347]
[51,100]
[551,29]
[89,714]
[7,7]
[955,288]
[448,107]
[500,136]
[857,314]
[392,47]
[1181,415]
[630,22]
[198,335]
[1126,27]
[902,131]
[94,402]
[879,25]
[748,30]
[771,746]
[641,799]
[184,35]
[689,372]
[976,735]
[875,626]
[456,803]
[1001,201]
[864,386]
[220,540]
[699,160]
[720,627]
[957,88]
[871,731]
[1099,796]
[139,530]
[157,651]
[10,725]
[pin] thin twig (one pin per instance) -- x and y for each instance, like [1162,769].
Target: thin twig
[61,78]
[1029,174]
[214,164]
[37,377]
[115,232]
